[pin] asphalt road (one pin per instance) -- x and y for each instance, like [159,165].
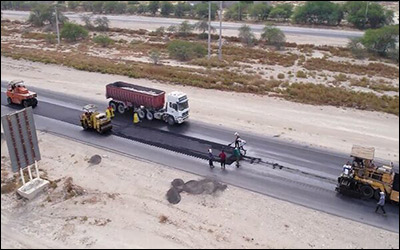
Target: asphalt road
[160,21]
[58,113]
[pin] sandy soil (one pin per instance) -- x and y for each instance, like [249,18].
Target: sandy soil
[123,206]
[319,126]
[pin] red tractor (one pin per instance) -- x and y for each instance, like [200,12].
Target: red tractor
[17,93]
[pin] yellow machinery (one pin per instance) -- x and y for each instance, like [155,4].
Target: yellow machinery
[367,180]
[92,119]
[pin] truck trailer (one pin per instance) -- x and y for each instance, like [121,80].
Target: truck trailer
[148,103]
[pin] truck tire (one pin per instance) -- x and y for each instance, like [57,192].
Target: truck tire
[84,125]
[9,101]
[113,105]
[171,120]
[367,192]
[25,104]
[121,108]
[149,115]
[141,114]
[34,103]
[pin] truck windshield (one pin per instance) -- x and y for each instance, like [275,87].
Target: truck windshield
[183,105]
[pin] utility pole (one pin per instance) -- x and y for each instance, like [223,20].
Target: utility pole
[209,29]
[58,30]
[220,31]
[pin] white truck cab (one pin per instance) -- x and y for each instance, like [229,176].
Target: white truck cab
[178,106]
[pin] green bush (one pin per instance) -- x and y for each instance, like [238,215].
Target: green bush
[246,35]
[381,40]
[301,74]
[72,5]
[376,17]
[185,28]
[185,51]
[103,40]
[166,8]
[260,11]
[274,36]
[281,76]
[73,32]
[201,10]
[132,9]
[356,48]
[318,12]
[51,38]
[153,7]
[102,23]
[282,11]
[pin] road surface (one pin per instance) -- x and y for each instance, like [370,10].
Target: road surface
[58,113]
[152,23]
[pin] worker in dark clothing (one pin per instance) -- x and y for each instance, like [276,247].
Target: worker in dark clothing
[381,203]
[236,153]
[222,156]
[210,158]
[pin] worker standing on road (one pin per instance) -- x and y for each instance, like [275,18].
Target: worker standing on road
[135,118]
[222,156]
[210,158]
[236,153]
[381,203]
[110,112]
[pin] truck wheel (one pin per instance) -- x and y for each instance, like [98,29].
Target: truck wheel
[171,120]
[34,104]
[9,101]
[25,103]
[121,108]
[84,125]
[367,192]
[149,115]
[141,114]
[113,105]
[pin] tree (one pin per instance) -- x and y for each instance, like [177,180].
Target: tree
[376,15]
[172,28]
[87,5]
[72,5]
[179,10]
[102,23]
[166,8]
[185,28]
[260,11]
[121,8]
[155,56]
[45,14]
[184,51]
[73,32]
[274,36]
[237,11]
[153,7]
[318,12]
[282,11]
[202,11]
[380,41]
[142,8]
[97,6]
[132,9]
[202,26]
[87,20]
[246,35]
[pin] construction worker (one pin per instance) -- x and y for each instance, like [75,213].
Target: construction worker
[236,153]
[210,158]
[381,203]
[222,156]
[135,118]
[109,113]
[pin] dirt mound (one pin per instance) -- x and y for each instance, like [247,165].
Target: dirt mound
[95,159]
[206,186]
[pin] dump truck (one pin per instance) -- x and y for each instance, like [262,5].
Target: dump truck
[17,93]
[366,179]
[92,119]
[148,103]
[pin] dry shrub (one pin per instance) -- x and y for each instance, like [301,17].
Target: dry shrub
[9,187]
[372,69]
[34,35]
[301,74]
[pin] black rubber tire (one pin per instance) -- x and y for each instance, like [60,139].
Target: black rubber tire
[149,115]
[9,101]
[113,105]
[84,125]
[121,108]
[34,103]
[171,120]
[367,192]
[25,104]
[141,114]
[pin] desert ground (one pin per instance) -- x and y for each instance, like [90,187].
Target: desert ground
[324,127]
[122,204]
